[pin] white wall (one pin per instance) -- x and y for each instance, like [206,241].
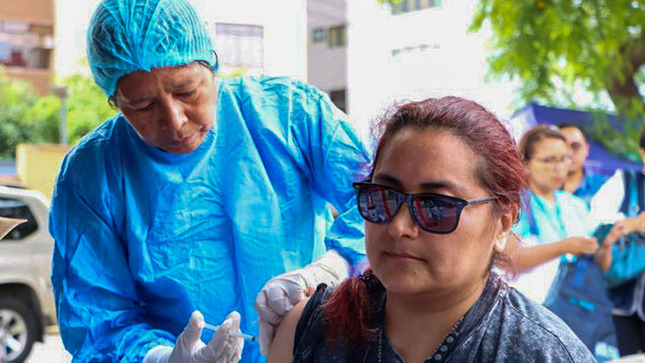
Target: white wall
[72,19]
[284,22]
[416,55]
[285,29]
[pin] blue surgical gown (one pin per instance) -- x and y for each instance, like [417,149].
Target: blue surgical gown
[144,237]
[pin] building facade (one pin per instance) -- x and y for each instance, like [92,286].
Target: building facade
[27,41]
[414,50]
[327,48]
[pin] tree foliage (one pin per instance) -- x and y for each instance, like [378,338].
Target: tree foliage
[555,47]
[27,118]
[23,117]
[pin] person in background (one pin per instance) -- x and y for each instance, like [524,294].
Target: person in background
[438,205]
[201,193]
[555,229]
[624,201]
[555,222]
[581,181]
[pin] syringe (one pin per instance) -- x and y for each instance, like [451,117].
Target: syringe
[235,334]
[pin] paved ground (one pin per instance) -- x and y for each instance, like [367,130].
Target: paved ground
[51,351]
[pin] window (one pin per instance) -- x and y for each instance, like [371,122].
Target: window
[319,35]
[25,45]
[14,208]
[337,37]
[406,6]
[240,45]
[339,98]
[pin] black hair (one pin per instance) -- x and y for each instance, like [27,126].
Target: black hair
[564,125]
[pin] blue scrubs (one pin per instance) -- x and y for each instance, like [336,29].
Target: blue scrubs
[543,222]
[144,237]
[590,185]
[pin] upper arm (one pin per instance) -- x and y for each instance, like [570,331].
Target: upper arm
[282,347]
[336,155]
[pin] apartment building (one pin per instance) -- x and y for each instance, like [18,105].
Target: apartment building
[327,48]
[27,41]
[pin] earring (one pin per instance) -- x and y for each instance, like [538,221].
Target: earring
[500,241]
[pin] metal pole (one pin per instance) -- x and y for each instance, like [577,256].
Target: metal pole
[61,92]
[63,121]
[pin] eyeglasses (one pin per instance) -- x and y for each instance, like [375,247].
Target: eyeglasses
[434,213]
[553,160]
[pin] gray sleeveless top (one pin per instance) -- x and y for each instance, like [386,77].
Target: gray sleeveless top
[502,326]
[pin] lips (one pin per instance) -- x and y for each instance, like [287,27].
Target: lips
[186,140]
[397,255]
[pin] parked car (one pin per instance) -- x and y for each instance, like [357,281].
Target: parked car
[26,298]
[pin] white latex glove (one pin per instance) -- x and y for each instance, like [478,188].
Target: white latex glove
[223,347]
[282,292]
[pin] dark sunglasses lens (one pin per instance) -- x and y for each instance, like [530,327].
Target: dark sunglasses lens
[436,213]
[378,204]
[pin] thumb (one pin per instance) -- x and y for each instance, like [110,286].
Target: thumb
[193,331]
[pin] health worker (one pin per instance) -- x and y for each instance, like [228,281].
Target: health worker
[203,198]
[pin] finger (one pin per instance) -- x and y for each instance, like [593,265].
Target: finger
[193,330]
[238,343]
[310,291]
[266,337]
[265,312]
[279,302]
[221,340]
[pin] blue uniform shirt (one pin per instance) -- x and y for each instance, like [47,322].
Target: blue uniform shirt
[590,185]
[144,237]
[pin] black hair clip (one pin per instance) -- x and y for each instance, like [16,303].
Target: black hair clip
[370,280]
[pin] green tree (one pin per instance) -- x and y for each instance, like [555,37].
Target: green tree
[87,106]
[27,118]
[23,116]
[556,47]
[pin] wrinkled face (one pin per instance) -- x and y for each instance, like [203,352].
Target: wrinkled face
[171,108]
[409,260]
[578,145]
[549,164]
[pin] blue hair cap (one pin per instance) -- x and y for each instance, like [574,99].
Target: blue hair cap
[126,36]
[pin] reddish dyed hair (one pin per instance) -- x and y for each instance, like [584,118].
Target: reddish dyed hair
[499,169]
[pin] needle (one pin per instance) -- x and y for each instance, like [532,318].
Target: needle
[235,334]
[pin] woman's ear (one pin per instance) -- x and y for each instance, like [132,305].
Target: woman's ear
[506,222]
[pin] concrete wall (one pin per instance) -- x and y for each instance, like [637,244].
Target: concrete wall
[32,11]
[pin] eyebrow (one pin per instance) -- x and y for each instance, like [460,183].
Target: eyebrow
[440,184]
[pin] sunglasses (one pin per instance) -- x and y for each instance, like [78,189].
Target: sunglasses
[434,213]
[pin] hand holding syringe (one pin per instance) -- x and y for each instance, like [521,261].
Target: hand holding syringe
[235,334]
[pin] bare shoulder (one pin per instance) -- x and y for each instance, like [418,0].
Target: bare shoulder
[282,348]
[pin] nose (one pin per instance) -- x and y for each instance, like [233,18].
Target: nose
[403,224]
[175,116]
